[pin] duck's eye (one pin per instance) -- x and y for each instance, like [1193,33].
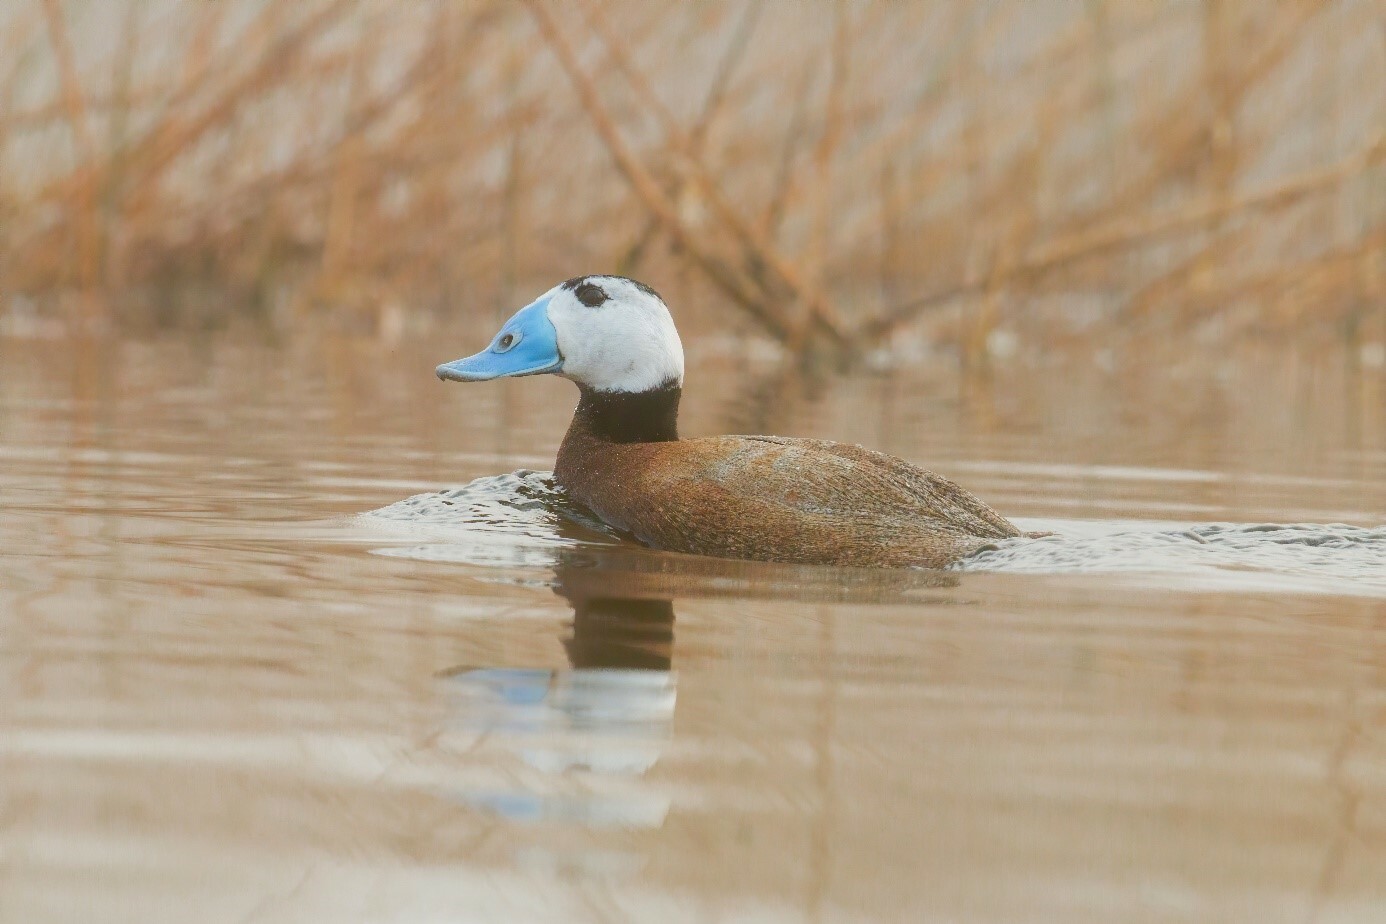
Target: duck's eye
[590,295]
[506,342]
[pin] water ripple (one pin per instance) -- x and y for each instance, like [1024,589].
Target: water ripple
[521,504]
[1325,558]
[505,519]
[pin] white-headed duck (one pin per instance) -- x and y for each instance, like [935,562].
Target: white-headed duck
[752,497]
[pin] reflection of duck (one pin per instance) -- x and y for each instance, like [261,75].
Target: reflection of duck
[589,732]
[611,715]
[613,631]
[750,497]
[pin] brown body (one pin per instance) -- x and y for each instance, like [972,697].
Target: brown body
[764,497]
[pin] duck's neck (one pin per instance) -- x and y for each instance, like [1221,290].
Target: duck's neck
[630,417]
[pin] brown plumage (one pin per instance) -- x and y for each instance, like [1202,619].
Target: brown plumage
[764,497]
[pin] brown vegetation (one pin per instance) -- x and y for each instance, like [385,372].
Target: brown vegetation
[829,171]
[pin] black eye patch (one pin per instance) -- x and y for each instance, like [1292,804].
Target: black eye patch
[590,295]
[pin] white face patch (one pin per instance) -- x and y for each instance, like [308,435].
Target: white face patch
[624,342]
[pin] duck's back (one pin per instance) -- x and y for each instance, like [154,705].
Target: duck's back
[778,499]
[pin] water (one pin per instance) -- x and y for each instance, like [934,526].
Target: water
[245,678]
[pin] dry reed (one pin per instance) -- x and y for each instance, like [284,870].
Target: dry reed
[832,171]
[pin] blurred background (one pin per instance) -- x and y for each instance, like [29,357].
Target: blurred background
[996,179]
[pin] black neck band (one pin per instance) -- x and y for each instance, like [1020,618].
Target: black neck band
[631,417]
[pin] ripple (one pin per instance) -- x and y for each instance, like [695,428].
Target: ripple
[519,519]
[1312,557]
[521,504]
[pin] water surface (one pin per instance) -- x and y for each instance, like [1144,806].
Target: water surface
[245,678]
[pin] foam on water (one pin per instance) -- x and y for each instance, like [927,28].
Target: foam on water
[516,519]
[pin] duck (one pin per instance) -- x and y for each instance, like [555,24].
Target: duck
[766,498]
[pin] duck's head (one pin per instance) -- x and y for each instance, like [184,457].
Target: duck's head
[607,333]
